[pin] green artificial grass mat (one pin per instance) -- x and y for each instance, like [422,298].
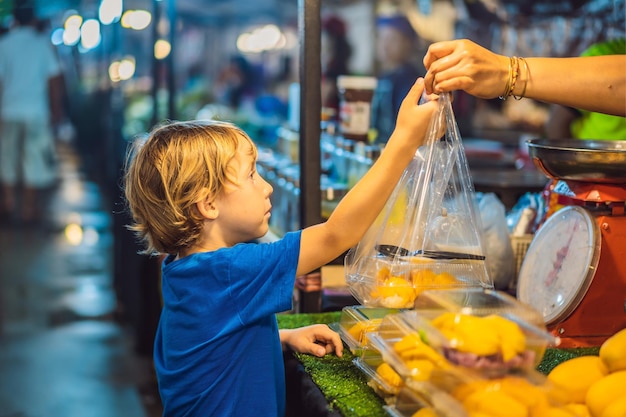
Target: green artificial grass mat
[345,386]
[555,356]
[291,321]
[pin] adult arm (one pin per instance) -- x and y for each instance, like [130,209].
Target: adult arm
[595,83]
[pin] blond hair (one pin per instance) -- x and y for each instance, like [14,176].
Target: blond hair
[179,164]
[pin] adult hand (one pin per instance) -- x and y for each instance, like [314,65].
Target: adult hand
[317,339]
[464,65]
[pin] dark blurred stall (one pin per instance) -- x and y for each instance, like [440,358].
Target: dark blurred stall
[271,66]
[264,65]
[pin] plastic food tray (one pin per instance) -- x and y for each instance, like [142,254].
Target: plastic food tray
[392,330]
[419,395]
[477,302]
[389,283]
[368,363]
[450,396]
[356,321]
[414,324]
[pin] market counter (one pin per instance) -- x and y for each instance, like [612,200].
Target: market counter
[335,387]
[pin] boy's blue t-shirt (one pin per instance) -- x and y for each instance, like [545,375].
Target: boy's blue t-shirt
[217,350]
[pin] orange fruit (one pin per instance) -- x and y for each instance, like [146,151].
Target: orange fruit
[445,279]
[555,412]
[462,391]
[356,331]
[604,391]
[423,279]
[571,379]
[616,408]
[393,291]
[532,397]
[390,376]
[523,391]
[512,339]
[613,351]
[425,412]
[420,369]
[360,328]
[468,333]
[579,410]
[412,346]
[494,404]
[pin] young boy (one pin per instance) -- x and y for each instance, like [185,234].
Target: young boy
[195,195]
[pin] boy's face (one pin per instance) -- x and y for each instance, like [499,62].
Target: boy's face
[244,204]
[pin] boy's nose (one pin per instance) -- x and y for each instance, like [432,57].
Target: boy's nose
[268,187]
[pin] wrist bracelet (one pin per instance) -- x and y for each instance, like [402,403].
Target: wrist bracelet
[514,75]
[508,81]
[525,81]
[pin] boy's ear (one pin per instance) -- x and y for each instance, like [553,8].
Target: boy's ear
[207,209]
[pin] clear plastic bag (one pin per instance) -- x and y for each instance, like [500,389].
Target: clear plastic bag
[428,234]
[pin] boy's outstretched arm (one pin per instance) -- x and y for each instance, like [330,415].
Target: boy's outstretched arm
[355,213]
[317,339]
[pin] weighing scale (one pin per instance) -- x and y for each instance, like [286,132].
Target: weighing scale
[574,272]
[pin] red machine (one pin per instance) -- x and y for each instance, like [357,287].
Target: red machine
[575,269]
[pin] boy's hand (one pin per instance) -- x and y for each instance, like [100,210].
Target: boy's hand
[317,340]
[413,118]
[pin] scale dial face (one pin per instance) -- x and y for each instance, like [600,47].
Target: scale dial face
[560,263]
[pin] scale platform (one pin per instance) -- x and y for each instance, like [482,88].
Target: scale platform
[575,269]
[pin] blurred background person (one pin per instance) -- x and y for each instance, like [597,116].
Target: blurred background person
[335,56]
[396,53]
[568,122]
[237,81]
[31,103]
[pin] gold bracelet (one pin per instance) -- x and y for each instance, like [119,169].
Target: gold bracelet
[525,81]
[515,63]
[508,82]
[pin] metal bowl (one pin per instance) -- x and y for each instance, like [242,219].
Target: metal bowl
[600,161]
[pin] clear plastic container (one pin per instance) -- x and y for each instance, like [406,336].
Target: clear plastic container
[422,350]
[401,345]
[477,302]
[381,377]
[356,321]
[463,394]
[396,284]
[492,344]
[421,396]
[455,391]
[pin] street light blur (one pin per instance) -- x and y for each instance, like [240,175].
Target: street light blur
[122,70]
[71,29]
[110,11]
[136,19]
[265,38]
[162,49]
[90,34]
